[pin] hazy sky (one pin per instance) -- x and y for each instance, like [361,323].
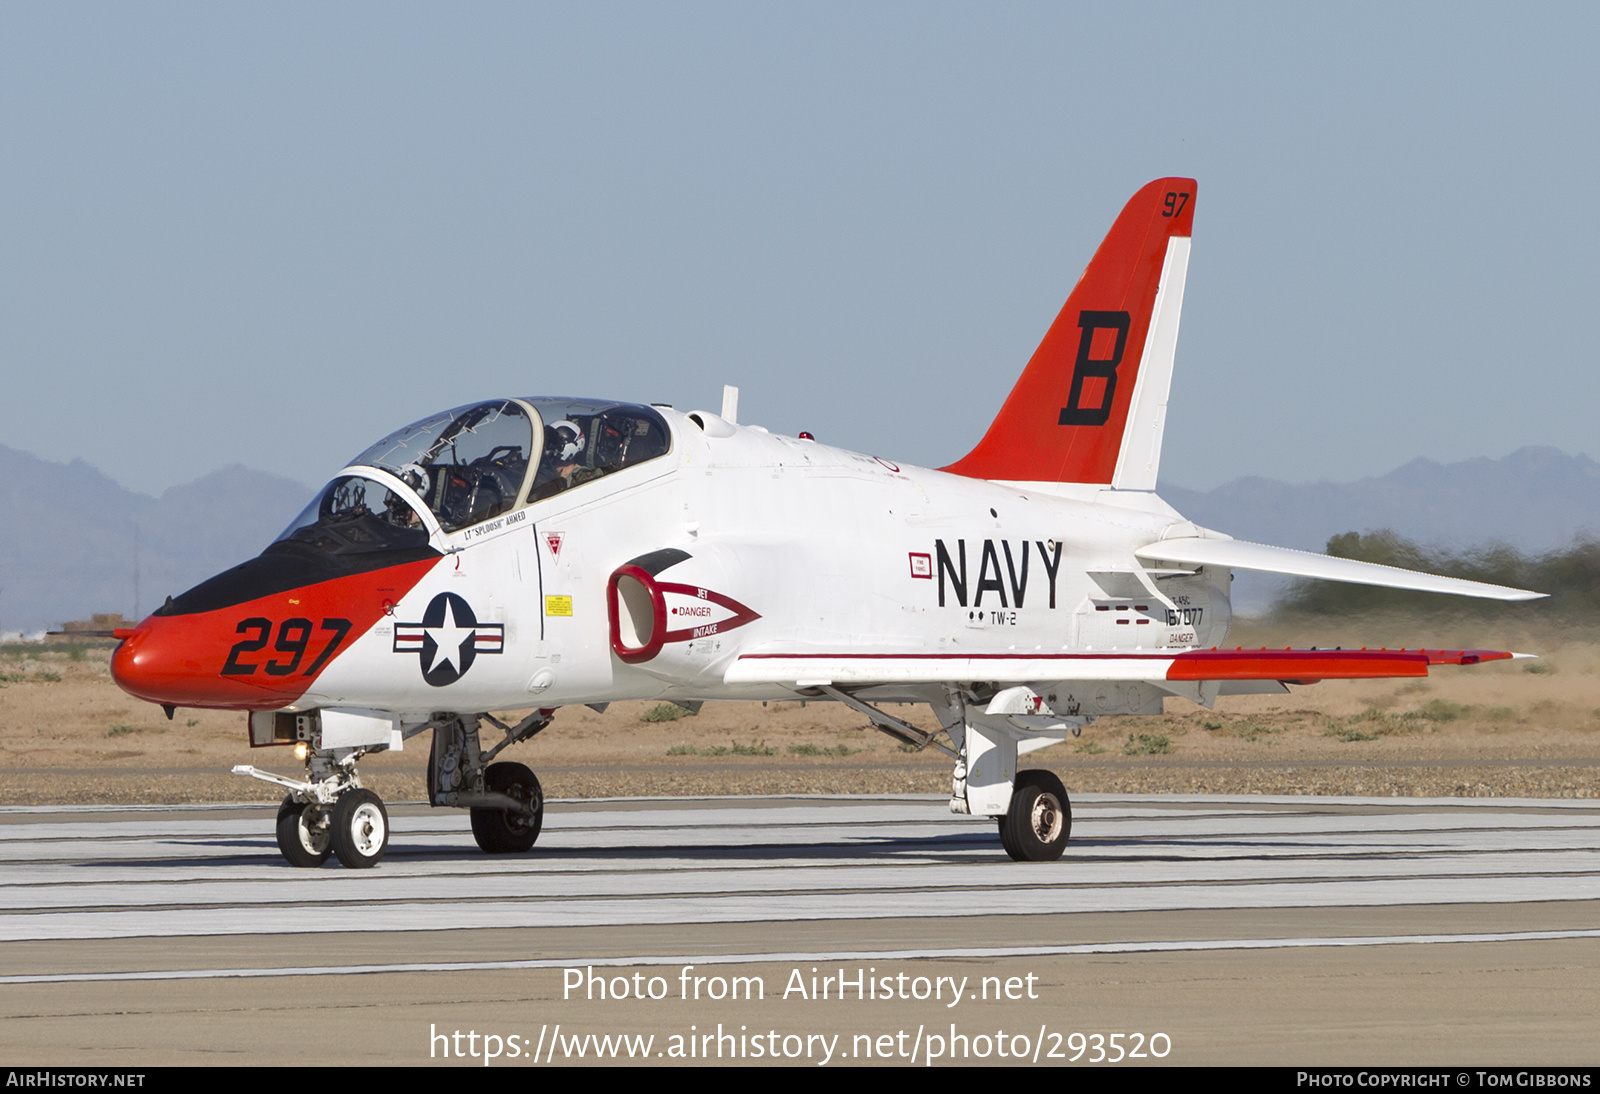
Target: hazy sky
[269,234]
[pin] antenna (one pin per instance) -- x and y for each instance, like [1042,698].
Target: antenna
[730,403]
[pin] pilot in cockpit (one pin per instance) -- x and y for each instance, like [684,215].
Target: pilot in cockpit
[563,451]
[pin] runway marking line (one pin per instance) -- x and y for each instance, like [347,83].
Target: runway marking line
[983,952]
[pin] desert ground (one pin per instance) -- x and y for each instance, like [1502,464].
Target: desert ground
[1526,728]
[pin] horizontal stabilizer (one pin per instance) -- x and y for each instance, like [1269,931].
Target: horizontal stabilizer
[1237,554]
[1152,666]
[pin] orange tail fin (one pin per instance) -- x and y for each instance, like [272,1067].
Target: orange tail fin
[1091,405]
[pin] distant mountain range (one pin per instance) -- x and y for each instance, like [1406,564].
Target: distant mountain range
[71,538]
[1535,499]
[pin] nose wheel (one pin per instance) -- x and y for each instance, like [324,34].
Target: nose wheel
[304,834]
[355,828]
[360,829]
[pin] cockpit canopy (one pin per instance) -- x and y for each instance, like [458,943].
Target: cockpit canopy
[583,440]
[467,464]
[474,463]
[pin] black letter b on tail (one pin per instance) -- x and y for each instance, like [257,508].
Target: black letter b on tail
[1087,367]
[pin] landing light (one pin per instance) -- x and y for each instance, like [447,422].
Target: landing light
[301,750]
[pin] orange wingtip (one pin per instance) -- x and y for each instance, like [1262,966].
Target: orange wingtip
[1313,664]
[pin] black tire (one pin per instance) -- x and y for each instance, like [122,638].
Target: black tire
[1036,827]
[500,831]
[1005,833]
[303,834]
[360,829]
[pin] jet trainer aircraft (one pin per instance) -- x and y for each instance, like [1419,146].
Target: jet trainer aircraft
[533,553]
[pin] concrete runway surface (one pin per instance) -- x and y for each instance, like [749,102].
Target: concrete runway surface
[1177,929]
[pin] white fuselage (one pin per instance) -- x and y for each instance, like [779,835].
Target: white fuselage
[829,549]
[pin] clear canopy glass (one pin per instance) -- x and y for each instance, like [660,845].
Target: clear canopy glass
[585,440]
[473,463]
[356,515]
[467,464]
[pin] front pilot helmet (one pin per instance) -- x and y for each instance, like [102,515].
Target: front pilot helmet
[568,441]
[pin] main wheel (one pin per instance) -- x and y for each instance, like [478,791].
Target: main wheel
[303,833]
[500,831]
[360,829]
[1036,827]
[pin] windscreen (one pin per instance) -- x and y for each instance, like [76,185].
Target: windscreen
[356,515]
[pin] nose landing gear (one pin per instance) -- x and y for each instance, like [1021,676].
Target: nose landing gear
[328,814]
[331,813]
[303,834]
[360,829]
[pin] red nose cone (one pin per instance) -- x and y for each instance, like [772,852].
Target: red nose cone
[133,666]
[256,654]
[178,661]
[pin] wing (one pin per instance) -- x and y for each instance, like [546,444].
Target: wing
[814,669]
[1238,554]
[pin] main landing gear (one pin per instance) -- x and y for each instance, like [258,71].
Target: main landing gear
[1031,807]
[503,831]
[1038,821]
[331,813]
[506,799]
